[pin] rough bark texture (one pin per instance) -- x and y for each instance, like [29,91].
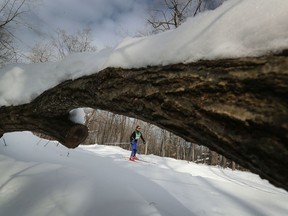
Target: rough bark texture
[237,107]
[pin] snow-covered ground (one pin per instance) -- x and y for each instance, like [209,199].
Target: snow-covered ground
[43,178]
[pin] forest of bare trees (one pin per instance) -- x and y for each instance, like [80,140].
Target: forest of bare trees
[112,129]
[61,45]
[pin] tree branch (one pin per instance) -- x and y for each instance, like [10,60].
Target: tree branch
[237,107]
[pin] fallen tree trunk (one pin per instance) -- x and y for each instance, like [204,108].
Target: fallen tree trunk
[237,107]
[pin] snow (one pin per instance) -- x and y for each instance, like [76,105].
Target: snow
[77,115]
[40,177]
[237,28]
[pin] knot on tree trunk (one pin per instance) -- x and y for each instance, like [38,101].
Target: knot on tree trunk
[75,135]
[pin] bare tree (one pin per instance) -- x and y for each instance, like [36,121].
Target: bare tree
[41,53]
[61,45]
[172,15]
[6,48]
[10,11]
[70,43]
[174,12]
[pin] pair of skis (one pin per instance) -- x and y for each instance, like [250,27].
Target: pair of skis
[141,160]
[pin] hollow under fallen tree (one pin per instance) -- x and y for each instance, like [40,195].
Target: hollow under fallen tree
[237,107]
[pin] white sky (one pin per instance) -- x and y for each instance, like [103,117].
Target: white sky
[109,21]
[237,28]
[48,179]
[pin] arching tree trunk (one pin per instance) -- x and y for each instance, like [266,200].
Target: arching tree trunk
[236,107]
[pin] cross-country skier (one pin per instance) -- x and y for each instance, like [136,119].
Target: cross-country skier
[134,141]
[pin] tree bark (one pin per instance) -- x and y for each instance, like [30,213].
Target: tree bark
[213,158]
[236,107]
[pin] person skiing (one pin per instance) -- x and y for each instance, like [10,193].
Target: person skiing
[134,141]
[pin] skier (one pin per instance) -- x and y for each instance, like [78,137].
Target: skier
[134,141]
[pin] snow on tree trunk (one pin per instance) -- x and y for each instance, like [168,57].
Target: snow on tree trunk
[236,107]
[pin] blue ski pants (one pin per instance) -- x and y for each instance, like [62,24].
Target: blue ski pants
[134,147]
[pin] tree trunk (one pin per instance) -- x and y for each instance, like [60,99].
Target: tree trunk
[192,158]
[224,162]
[233,165]
[213,158]
[236,107]
[163,143]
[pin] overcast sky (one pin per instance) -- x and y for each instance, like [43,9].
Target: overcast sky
[110,20]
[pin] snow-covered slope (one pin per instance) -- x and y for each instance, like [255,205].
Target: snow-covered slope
[42,178]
